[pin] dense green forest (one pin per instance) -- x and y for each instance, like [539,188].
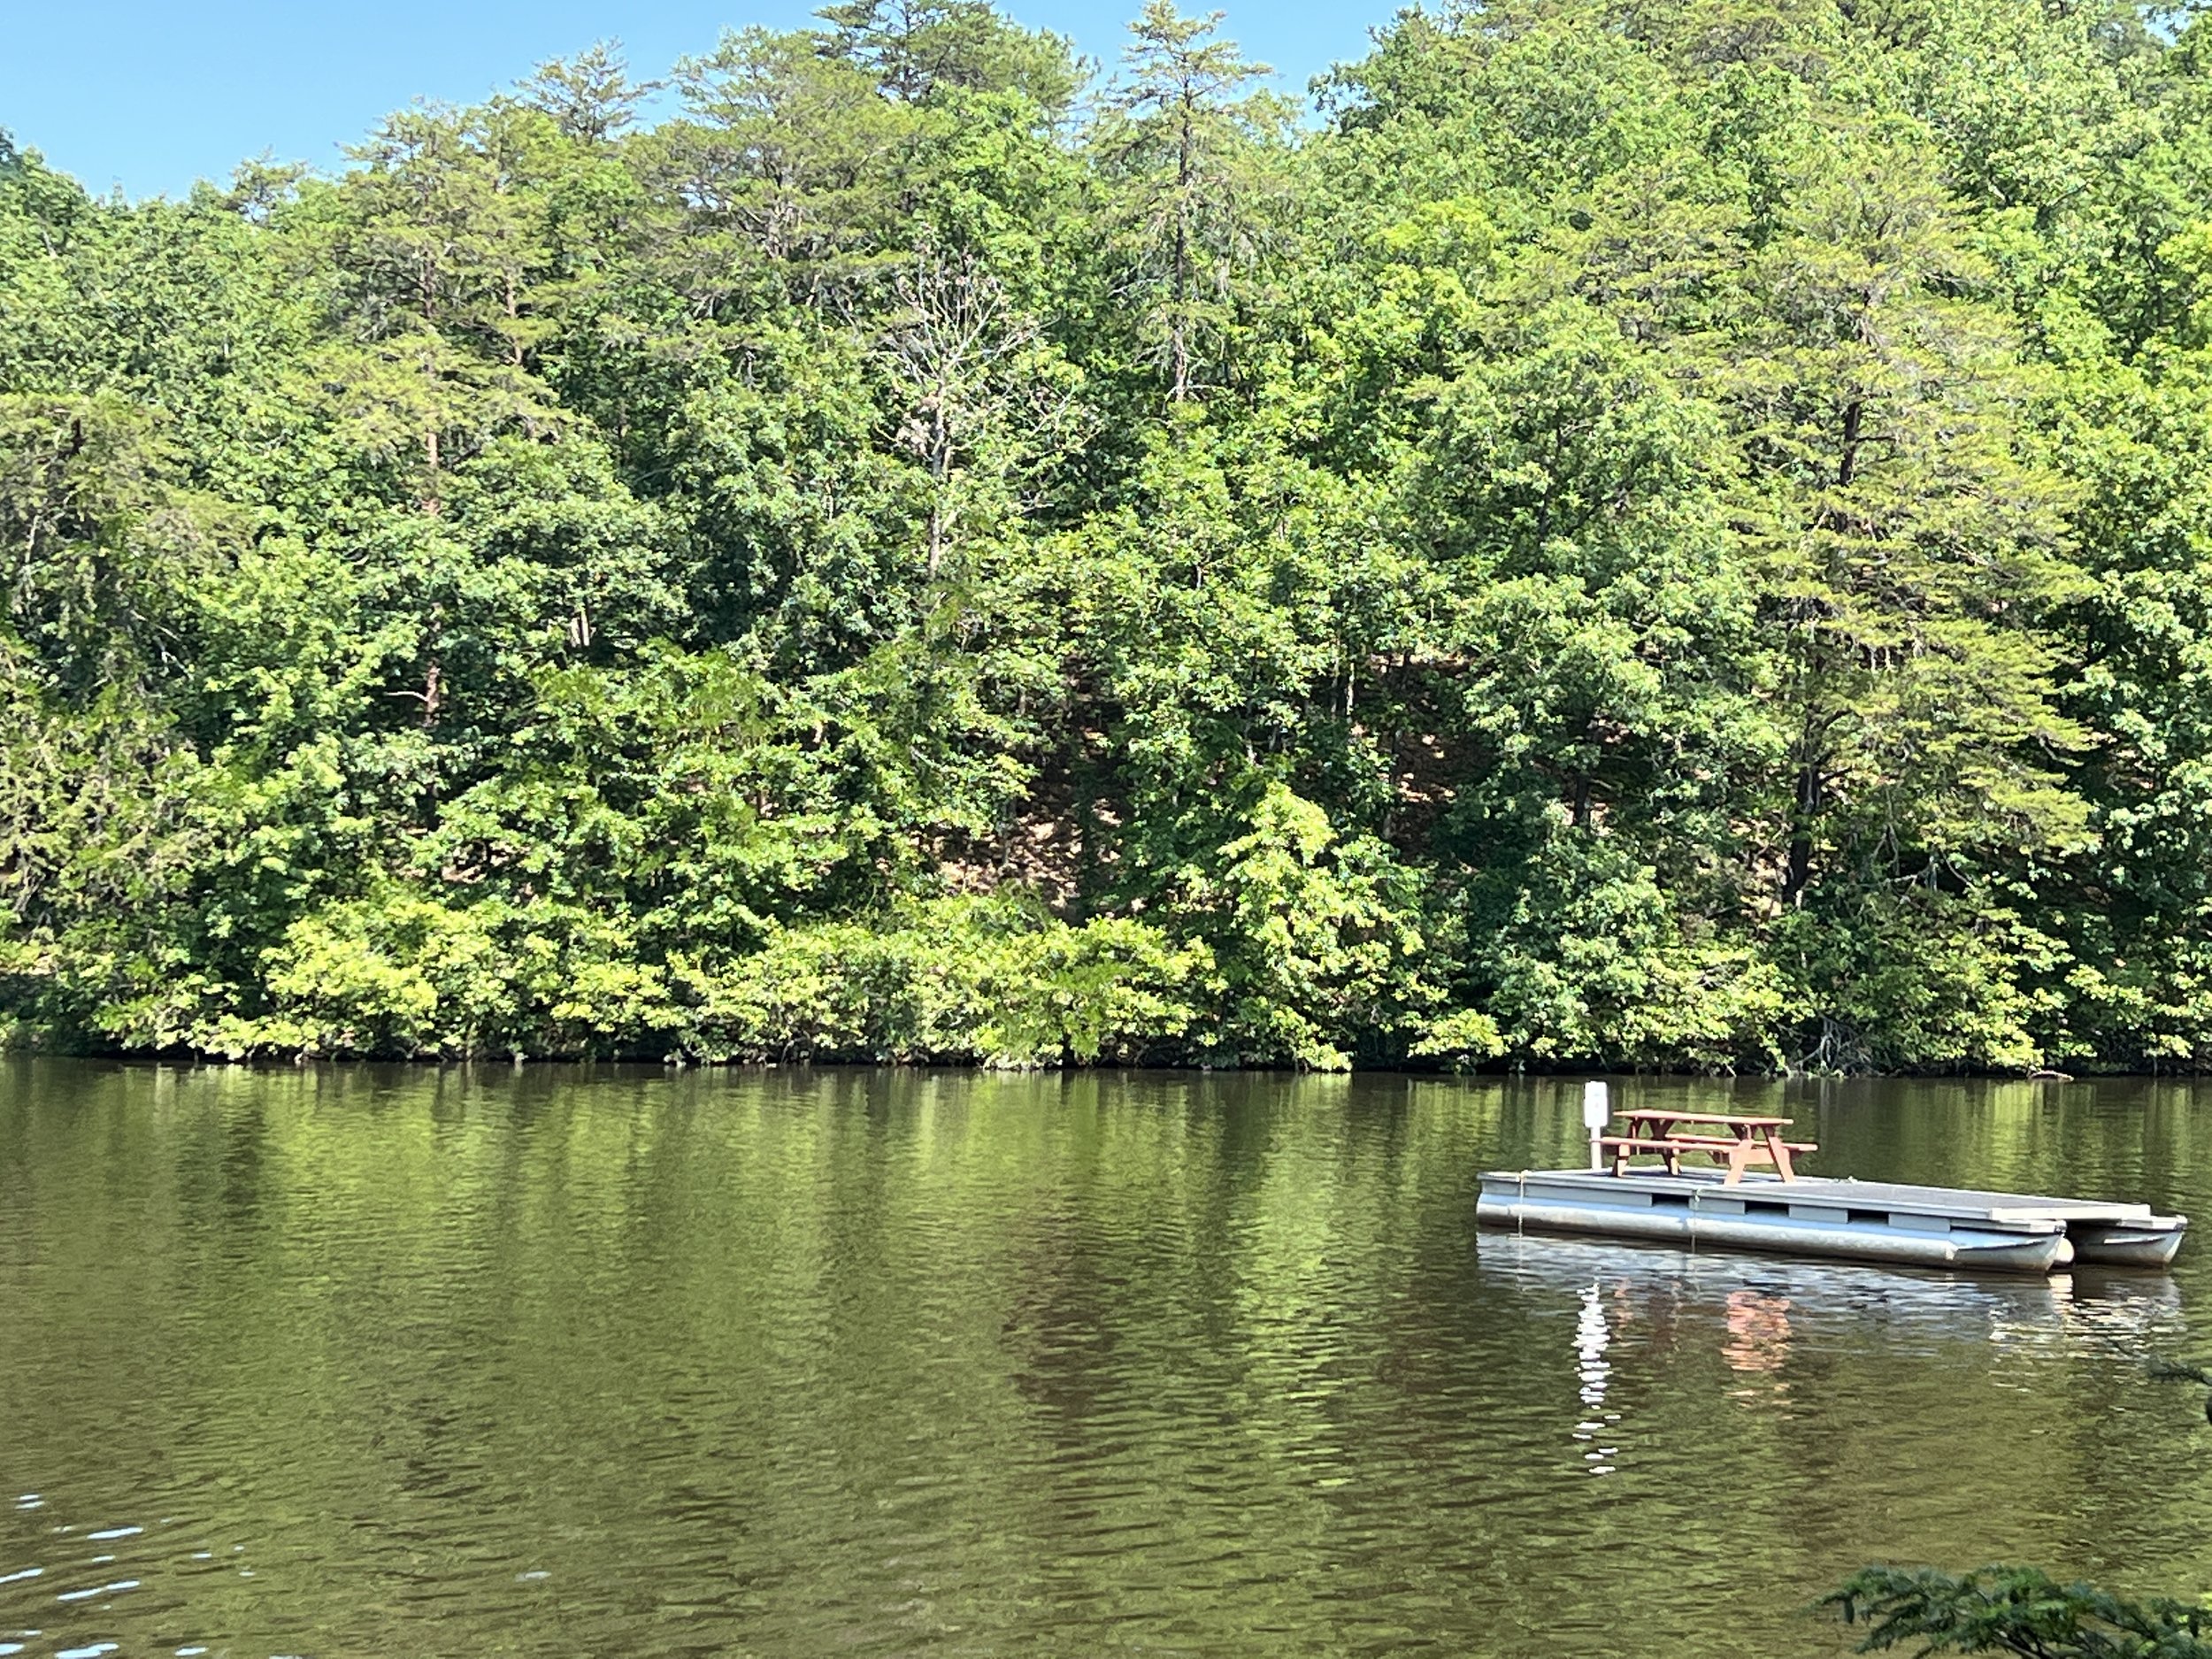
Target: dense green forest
[1639,532]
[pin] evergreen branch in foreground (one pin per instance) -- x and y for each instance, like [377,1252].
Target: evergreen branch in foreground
[2181,1370]
[2014,1610]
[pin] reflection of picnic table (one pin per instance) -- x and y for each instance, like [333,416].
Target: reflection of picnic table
[1735,1141]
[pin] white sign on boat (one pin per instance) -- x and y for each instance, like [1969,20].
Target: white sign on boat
[1597,1112]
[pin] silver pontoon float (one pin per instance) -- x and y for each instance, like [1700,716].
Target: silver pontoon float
[1872,1221]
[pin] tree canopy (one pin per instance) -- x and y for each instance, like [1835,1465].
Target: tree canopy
[1624,534]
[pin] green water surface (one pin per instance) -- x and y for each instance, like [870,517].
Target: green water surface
[800,1363]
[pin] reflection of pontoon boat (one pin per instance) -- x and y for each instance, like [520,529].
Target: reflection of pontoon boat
[1635,1302]
[2087,1302]
[1877,1221]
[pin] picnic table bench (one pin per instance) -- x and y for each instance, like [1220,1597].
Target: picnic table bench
[1745,1140]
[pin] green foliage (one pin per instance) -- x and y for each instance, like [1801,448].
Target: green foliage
[2016,1610]
[989,981]
[1313,941]
[1664,536]
[1594,959]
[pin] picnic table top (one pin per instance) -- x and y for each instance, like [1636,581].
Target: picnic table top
[1675,1115]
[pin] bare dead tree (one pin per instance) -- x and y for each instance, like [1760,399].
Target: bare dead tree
[977,404]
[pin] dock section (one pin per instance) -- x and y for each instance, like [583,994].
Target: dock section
[1873,1221]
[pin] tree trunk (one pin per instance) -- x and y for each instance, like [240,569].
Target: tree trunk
[1800,861]
[1178,326]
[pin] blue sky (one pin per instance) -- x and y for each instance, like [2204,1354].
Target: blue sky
[151,93]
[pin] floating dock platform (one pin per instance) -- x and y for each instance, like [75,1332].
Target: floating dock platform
[1866,1221]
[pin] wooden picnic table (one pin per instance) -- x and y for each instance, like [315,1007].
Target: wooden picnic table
[1745,1140]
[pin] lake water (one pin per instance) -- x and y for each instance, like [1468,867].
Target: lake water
[791,1364]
